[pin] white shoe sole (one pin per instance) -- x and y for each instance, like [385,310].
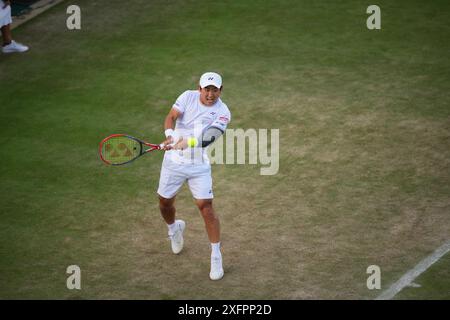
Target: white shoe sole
[14,51]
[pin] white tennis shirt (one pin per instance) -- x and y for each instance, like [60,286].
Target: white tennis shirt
[194,119]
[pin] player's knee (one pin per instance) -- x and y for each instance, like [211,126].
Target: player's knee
[204,204]
[207,210]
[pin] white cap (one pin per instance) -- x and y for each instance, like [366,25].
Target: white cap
[211,79]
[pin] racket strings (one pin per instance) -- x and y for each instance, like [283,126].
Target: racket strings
[120,150]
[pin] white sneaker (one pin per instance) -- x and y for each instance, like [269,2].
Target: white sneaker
[177,237]
[14,47]
[216,268]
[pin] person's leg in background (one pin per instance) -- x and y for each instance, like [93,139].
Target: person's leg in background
[9,45]
[6,35]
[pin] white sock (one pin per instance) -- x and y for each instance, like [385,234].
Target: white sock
[215,250]
[172,228]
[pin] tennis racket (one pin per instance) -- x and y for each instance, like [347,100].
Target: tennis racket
[118,149]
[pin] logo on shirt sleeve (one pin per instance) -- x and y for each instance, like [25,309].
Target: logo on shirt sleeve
[223,119]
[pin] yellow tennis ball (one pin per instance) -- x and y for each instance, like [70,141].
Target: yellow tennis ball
[192,142]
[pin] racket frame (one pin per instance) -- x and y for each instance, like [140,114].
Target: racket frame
[142,151]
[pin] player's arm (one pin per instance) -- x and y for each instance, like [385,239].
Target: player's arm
[210,135]
[169,122]
[215,130]
[169,125]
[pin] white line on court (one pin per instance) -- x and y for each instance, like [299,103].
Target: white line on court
[415,272]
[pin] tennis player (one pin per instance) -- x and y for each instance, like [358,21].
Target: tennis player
[197,115]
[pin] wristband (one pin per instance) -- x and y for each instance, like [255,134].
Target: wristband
[169,132]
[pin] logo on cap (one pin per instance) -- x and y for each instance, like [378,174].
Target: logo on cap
[211,78]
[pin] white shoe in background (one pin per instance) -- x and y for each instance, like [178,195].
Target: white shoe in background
[14,47]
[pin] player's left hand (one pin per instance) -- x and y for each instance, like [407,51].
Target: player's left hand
[169,143]
[181,144]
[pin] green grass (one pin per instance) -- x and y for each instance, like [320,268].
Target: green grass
[364,148]
[432,284]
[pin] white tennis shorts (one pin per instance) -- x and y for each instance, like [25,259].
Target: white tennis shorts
[198,178]
[5,15]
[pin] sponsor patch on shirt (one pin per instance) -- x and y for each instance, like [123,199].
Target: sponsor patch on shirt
[224,119]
